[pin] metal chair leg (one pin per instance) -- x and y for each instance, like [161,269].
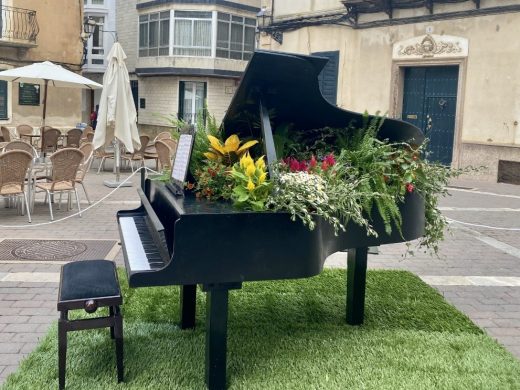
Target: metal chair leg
[50,205]
[27,207]
[77,201]
[101,164]
[86,194]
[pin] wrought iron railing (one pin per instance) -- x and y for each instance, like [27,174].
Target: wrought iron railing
[18,24]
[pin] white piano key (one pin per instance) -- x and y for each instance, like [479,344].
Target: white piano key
[136,254]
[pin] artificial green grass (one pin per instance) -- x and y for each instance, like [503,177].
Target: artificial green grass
[288,335]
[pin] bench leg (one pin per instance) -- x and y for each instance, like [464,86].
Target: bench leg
[62,348]
[356,282]
[111,313]
[118,333]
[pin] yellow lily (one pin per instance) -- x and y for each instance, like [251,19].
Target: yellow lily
[246,161]
[260,164]
[228,152]
[262,177]
[250,170]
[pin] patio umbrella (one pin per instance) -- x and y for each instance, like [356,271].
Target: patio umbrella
[117,117]
[49,74]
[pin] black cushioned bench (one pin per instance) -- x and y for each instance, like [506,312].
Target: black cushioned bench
[87,285]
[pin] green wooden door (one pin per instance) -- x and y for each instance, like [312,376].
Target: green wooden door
[429,102]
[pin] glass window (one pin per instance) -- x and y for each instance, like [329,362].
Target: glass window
[98,2]
[235,36]
[191,100]
[97,36]
[154,34]
[192,33]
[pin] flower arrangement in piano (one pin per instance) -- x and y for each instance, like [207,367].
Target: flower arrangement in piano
[341,175]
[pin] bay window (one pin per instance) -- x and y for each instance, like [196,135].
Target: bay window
[193,34]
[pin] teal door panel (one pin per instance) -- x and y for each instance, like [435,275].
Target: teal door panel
[440,112]
[429,102]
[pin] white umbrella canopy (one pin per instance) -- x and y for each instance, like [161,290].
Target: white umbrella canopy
[117,116]
[49,74]
[55,75]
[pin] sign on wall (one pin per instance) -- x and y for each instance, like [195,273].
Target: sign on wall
[29,94]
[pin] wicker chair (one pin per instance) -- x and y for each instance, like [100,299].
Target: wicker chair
[13,168]
[163,135]
[88,156]
[163,154]
[102,154]
[6,134]
[21,145]
[65,164]
[138,155]
[73,138]
[88,130]
[172,144]
[51,137]
[22,130]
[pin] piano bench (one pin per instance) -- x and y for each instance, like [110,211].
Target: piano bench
[88,285]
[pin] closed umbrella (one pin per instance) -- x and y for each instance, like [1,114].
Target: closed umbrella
[50,74]
[117,117]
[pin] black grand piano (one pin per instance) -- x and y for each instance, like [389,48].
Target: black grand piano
[162,239]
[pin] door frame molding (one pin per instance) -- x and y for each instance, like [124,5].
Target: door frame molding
[397,94]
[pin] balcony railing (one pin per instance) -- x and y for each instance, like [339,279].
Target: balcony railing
[18,25]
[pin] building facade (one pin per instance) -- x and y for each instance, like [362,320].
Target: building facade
[183,54]
[97,46]
[451,68]
[35,31]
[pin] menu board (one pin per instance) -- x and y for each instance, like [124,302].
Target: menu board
[182,160]
[29,94]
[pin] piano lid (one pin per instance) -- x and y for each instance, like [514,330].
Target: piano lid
[287,84]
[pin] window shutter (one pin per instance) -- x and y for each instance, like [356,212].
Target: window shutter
[3,100]
[180,114]
[328,78]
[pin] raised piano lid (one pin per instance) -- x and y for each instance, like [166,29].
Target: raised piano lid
[287,85]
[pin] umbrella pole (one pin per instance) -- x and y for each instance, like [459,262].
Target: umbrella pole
[117,165]
[117,158]
[42,132]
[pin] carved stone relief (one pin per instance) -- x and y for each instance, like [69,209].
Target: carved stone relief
[431,46]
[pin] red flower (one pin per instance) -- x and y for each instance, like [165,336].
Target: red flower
[410,187]
[303,166]
[330,159]
[294,165]
[313,162]
[324,165]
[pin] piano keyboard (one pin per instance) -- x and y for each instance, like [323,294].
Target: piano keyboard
[141,249]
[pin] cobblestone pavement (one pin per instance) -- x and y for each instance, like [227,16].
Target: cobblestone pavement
[478,269]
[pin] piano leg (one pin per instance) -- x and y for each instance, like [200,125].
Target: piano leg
[188,304]
[216,333]
[356,282]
